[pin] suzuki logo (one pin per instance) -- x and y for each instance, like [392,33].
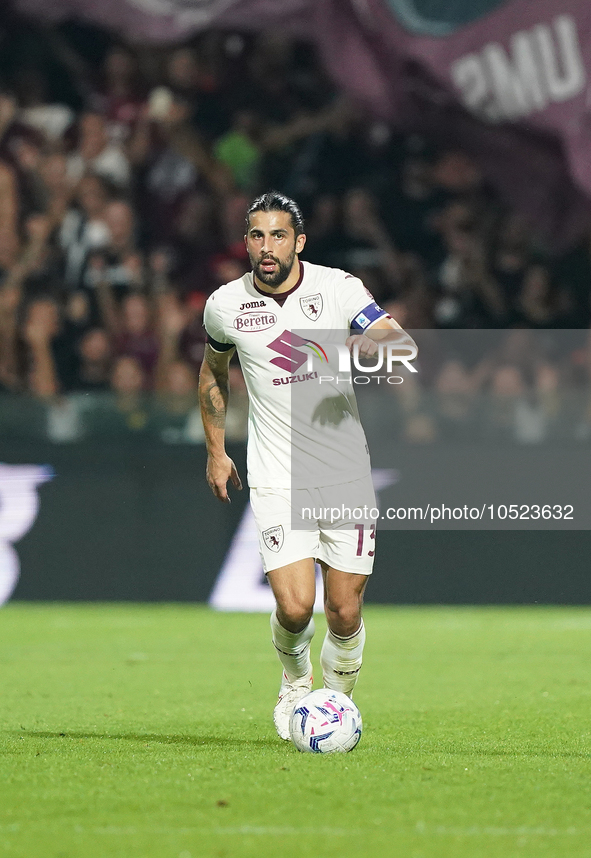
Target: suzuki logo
[292,359]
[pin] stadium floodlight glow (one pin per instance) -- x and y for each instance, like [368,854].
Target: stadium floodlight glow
[388,352]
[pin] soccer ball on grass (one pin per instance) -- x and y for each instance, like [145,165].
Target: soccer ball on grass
[325,722]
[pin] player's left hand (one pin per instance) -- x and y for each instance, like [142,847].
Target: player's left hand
[218,471]
[367,347]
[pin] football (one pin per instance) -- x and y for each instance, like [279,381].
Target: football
[325,722]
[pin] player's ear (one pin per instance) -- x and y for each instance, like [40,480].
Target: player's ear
[300,242]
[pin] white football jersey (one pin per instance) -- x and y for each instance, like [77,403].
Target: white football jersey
[303,431]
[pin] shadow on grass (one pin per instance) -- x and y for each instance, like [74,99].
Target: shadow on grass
[402,751]
[146,738]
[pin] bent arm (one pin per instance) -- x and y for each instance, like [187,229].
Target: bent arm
[386,330]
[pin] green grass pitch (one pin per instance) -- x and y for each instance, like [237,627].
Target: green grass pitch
[146,731]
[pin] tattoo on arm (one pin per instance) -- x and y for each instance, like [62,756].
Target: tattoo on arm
[214,391]
[214,399]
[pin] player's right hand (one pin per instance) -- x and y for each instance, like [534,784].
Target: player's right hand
[219,470]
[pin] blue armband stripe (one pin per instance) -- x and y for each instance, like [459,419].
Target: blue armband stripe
[367,316]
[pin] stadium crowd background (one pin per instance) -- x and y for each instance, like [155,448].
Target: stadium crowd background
[125,172]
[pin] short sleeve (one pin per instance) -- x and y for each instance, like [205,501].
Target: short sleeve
[362,311]
[214,328]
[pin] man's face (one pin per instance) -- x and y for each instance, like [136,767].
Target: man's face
[272,246]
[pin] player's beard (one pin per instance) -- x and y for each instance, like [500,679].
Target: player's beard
[279,276]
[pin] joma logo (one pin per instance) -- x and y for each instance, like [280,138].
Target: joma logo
[253,305]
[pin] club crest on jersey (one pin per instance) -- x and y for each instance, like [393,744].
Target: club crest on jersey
[312,306]
[273,537]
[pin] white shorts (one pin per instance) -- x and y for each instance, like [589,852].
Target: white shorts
[335,525]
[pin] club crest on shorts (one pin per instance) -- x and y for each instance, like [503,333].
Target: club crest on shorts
[273,537]
[312,306]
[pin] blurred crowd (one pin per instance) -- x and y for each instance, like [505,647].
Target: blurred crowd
[125,172]
[517,386]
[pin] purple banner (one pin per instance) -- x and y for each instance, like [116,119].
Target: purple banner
[507,80]
[510,85]
[171,20]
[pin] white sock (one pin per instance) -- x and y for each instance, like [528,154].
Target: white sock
[292,648]
[341,660]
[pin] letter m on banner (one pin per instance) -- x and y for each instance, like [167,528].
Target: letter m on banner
[291,359]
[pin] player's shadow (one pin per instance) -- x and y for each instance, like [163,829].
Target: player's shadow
[332,410]
[147,738]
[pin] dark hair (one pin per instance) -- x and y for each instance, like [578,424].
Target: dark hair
[273,201]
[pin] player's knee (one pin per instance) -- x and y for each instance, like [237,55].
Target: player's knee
[294,614]
[345,617]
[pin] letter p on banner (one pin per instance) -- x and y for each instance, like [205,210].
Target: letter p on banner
[19,505]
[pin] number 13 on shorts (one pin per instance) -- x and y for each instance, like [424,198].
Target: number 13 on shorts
[362,536]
